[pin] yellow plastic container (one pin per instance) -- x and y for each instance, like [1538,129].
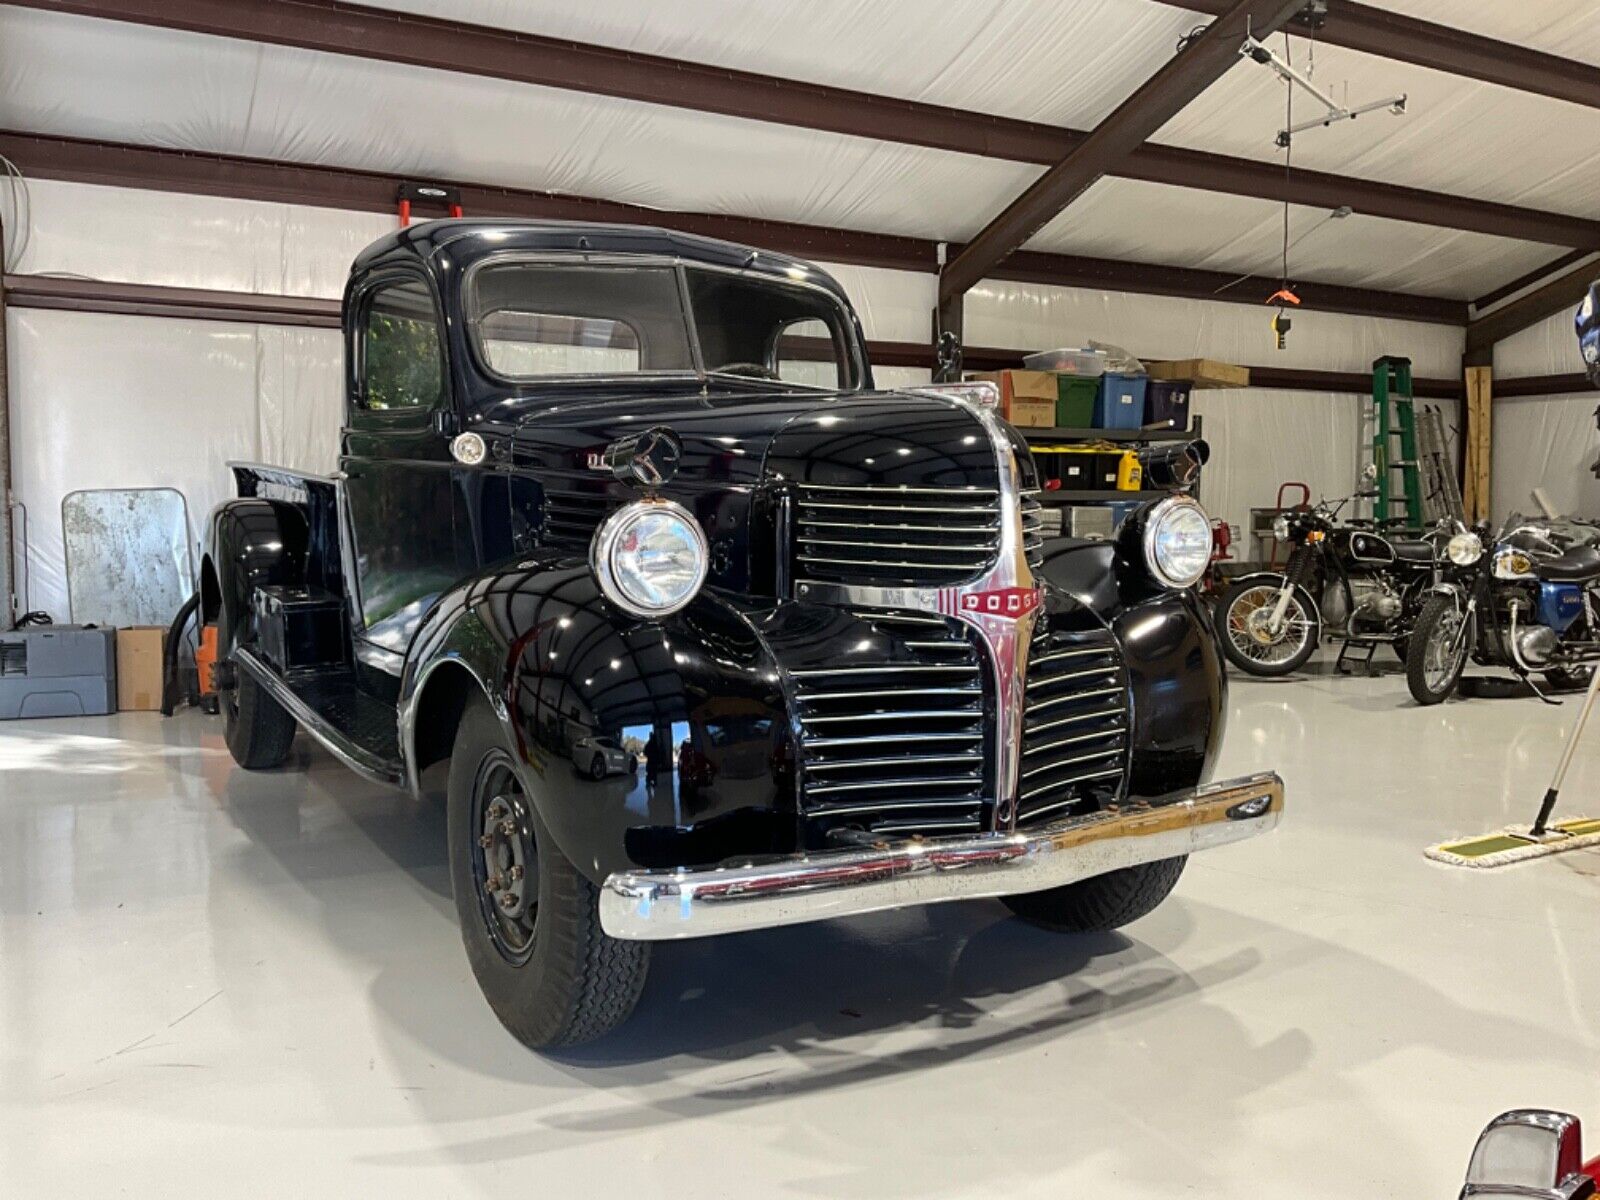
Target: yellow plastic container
[1130,475]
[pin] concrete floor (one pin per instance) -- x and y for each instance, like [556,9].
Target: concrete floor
[229,983]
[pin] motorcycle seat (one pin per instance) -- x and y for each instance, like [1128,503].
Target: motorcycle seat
[1578,565]
[1408,550]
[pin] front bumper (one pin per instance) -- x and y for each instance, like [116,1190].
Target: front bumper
[665,905]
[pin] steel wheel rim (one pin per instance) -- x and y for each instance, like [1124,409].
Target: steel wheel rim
[1247,636]
[1439,664]
[505,860]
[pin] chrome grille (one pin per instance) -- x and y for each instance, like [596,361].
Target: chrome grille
[1075,724]
[894,535]
[897,747]
[1033,529]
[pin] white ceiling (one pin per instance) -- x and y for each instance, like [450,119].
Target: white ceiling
[1066,64]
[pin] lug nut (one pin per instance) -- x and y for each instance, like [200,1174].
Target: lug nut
[486,841]
[494,883]
[516,872]
[508,829]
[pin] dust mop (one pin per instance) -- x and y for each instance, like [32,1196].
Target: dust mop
[1516,843]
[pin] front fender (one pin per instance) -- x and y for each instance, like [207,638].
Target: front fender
[694,701]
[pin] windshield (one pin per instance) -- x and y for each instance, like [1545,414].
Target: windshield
[535,320]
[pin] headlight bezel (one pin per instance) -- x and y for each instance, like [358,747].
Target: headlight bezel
[608,543]
[1181,507]
[1464,548]
[1280,528]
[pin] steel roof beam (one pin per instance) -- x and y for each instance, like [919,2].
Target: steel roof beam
[333,27]
[119,165]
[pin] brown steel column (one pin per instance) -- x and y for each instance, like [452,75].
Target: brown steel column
[1477,437]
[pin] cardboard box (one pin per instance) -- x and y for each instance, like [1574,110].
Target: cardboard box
[1027,398]
[139,668]
[1202,372]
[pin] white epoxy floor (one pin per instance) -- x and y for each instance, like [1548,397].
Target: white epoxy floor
[238,985]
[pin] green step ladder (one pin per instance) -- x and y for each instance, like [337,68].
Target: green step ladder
[1394,415]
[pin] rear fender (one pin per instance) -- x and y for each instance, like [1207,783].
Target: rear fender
[252,543]
[695,699]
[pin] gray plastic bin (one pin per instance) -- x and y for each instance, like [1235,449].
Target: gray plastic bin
[58,671]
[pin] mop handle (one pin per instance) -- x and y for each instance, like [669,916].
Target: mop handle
[1566,751]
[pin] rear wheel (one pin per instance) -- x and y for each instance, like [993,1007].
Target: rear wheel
[1252,642]
[1437,653]
[258,730]
[1107,901]
[530,920]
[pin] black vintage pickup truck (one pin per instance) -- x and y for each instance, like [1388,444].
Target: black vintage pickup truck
[712,635]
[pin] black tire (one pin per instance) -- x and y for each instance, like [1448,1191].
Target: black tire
[567,982]
[1253,666]
[597,768]
[258,730]
[1104,902]
[1434,622]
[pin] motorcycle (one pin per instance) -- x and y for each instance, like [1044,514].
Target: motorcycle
[1531,606]
[1346,582]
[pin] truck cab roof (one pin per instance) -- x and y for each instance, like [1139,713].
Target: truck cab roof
[468,239]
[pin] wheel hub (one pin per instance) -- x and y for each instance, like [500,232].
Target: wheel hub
[507,855]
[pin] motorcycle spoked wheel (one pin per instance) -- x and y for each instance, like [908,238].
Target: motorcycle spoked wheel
[1437,652]
[1248,641]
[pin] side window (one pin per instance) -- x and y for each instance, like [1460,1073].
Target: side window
[402,363]
[806,354]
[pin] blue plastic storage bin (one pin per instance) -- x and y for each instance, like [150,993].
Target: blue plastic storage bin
[1119,404]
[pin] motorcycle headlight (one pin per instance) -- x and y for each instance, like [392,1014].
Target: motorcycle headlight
[1177,542]
[1464,549]
[650,558]
[1280,528]
[1512,564]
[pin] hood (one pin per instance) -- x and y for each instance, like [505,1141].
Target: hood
[737,438]
[733,443]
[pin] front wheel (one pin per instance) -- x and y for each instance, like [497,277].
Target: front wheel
[1104,902]
[529,918]
[1250,639]
[1437,653]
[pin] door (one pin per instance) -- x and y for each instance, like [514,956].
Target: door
[399,471]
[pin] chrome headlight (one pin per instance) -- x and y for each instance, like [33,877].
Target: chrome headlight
[1280,528]
[1177,542]
[1512,564]
[650,557]
[1464,549]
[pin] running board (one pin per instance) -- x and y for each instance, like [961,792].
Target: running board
[358,758]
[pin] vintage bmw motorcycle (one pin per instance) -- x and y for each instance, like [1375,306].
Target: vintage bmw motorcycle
[1345,582]
[1531,606]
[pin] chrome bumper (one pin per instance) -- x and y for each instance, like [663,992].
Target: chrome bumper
[664,905]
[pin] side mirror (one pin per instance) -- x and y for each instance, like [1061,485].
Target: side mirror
[1529,1153]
